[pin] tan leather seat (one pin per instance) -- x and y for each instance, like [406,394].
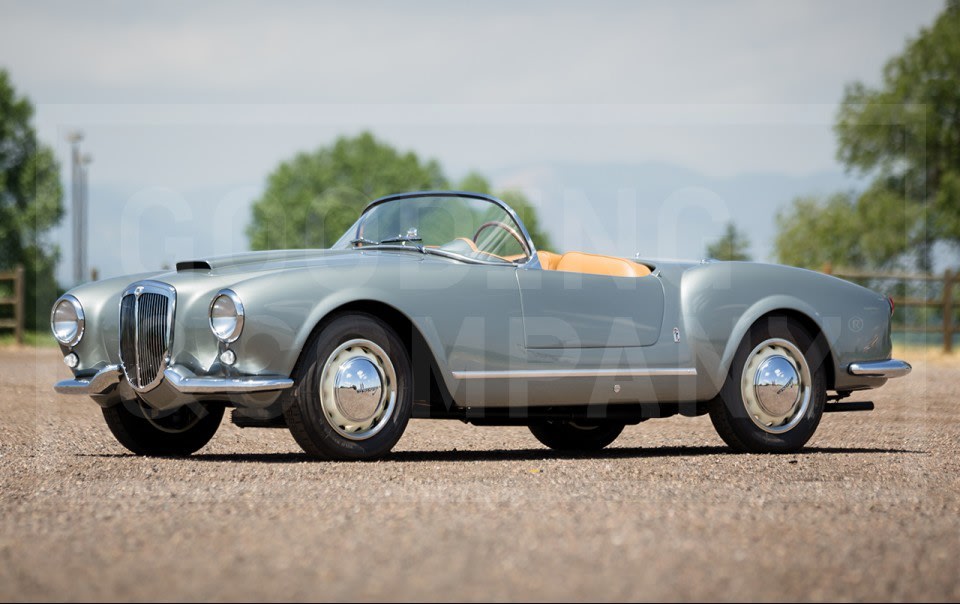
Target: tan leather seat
[548,260]
[595,264]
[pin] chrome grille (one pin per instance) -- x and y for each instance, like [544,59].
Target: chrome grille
[146,320]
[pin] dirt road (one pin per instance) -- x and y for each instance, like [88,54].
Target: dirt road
[870,511]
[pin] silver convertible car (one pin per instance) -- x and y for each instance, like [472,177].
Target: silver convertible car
[438,305]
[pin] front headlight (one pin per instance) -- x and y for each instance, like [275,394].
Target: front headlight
[226,316]
[66,320]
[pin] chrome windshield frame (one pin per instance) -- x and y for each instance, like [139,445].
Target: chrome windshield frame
[467,195]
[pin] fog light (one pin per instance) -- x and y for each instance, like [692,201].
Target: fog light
[228,357]
[71,360]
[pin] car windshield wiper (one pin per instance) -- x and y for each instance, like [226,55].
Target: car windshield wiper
[402,239]
[389,240]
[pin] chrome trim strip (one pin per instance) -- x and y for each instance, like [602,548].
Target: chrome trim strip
[186,382]
[579,373]
[890,368]
[98,384]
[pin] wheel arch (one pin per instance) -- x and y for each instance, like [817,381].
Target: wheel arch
[812,328]
[430,390]
[805,319]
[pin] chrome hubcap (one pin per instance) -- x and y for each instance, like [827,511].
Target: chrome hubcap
[776,385]
[358,389]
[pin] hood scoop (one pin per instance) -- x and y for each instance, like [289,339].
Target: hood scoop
[193,265]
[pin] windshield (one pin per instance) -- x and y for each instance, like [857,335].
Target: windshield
[472,228]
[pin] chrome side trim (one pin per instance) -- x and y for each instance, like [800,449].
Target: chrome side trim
[578,373]
[186,382]
[882,369]
[98,384]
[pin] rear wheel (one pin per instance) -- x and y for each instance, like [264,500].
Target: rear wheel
[775,392]
[177,432]
[576,436]
[353,394]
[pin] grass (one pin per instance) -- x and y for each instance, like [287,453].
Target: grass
[33,339]
[929,354]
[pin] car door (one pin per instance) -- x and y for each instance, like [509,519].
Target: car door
[564,310]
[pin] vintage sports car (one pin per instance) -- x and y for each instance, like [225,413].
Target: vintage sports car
[438,305]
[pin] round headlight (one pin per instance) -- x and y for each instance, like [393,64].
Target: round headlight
[66,320]
[226,316]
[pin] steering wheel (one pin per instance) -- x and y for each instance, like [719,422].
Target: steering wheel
[506,227]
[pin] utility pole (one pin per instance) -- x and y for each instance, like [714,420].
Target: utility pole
[77,194]
[85,160]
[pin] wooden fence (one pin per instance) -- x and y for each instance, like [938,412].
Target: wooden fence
[16,301]
[946,302]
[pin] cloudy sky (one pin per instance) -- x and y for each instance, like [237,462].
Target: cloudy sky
[635,126]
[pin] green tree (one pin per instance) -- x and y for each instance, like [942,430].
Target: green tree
[30,203]
[312,199]
[732,245]
[476,183]
[868,230]
[904,135]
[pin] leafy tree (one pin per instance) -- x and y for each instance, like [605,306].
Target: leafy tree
[845,229]
[516,200]
[312,199]
[906,135]
[906,132]
[732,245]
[30,203]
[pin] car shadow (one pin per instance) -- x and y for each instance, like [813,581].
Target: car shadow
[494,455]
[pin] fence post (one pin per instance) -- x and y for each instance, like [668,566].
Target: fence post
[948,279]
[18,303]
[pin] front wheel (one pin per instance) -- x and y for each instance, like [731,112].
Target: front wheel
[775,392]
[354,393]
[175,433]
[576,436]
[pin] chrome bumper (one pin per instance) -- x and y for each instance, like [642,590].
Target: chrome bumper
[106,378]
[180,379]
[185,381]
[880,369]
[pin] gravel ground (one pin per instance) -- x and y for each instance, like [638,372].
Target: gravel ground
[871,510]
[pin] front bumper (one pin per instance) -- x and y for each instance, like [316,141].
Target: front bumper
[880,369]
[181,379]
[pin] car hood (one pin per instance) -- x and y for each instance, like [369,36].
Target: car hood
[266,260]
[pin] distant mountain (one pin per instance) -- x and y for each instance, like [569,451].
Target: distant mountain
[659,209]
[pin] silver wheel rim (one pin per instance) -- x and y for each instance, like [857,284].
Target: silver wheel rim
[358,389]
[776,386]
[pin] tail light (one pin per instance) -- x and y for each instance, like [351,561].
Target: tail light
[893,305]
